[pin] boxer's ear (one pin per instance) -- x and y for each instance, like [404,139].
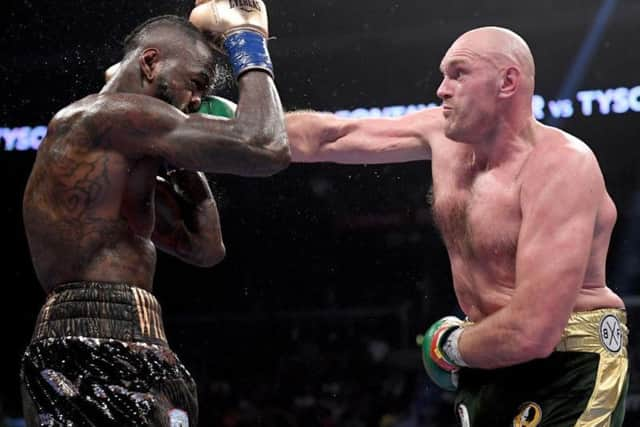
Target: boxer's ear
[149,62]
[509,82]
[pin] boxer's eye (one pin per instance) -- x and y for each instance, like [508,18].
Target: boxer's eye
[198,85]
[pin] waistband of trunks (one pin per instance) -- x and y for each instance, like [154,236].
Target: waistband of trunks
[101,310]
[598,331]
[602,330]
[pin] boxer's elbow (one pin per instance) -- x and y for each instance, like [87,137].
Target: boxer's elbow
[201,250]
[273,153]
[208,256]
[279,153]
[214,256]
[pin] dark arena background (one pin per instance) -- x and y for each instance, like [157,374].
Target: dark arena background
[331,271]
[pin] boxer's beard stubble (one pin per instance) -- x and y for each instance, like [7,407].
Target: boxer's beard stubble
[165,94]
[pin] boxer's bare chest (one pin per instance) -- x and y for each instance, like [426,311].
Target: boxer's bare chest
[477,211]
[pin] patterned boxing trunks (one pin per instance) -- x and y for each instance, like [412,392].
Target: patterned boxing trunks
[99,357]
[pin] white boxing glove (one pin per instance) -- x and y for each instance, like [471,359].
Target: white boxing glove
[223,17]
[241,27]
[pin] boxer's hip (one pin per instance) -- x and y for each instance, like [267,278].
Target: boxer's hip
[98,356]
[583,382]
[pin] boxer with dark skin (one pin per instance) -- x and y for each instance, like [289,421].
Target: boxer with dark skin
[93,207]
[116,178]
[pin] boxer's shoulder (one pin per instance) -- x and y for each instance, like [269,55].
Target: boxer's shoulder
[85,108]
[555,151]
[90,118]
[99,112]
[549,141]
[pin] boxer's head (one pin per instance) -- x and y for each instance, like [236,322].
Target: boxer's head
[174,60]
[488,73]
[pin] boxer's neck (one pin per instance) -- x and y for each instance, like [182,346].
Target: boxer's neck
[128,79]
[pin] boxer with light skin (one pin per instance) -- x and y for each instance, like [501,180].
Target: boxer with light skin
[111,71]
[526,220]
[114,180]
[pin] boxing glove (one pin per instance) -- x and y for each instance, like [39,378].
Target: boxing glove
[442,369]
[241,27]
[214,106]
[217,106]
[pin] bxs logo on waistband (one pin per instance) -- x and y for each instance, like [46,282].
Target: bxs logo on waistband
[610,333]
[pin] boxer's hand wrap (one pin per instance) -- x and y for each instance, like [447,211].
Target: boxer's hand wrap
[243,26]
[440,355]
[247,51]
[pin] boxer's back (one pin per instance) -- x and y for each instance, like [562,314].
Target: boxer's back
[79,205]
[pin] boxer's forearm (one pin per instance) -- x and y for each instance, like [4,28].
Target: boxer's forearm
[202,241]
[308,131]
[499,340]
[196,249]
[203,248]
[260,118]
[254,141]
[187,220]
[202,221]
[202,236]
[325,137]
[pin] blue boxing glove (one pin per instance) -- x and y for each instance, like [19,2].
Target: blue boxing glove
[242,27]
[440,355]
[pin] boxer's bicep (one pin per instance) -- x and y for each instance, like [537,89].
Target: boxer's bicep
[559,210]
[140,126]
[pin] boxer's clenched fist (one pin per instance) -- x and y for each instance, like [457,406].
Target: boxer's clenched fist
[224,17]
[240,27]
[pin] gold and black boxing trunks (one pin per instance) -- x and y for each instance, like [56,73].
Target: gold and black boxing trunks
[583,383]
[99,357]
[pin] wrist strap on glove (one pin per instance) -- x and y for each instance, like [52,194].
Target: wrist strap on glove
[440,352]
[247,51]
[451,348]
